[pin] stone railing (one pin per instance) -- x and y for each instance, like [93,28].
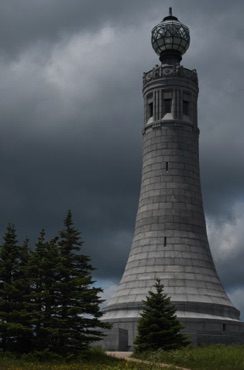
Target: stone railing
[169,71]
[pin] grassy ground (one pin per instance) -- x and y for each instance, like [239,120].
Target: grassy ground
[94,361]
[212,357]
[116,365]
[215,357]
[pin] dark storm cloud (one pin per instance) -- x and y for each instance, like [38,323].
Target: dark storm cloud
[25,23]
[71,117]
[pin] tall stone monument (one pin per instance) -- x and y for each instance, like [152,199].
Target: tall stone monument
[170,240]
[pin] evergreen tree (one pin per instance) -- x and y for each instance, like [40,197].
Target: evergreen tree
[158,327]
[24,305]
[47,297]
[78,299]
[14,325]
[43,273]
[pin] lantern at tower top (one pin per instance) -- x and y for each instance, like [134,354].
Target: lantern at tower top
[170,39]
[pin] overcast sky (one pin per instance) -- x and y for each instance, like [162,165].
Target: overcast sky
[71,113]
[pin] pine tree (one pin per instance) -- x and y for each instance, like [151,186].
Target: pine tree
[43,272]
[24,305]
[78,299]
[14,325]
[158,327]
[47,297]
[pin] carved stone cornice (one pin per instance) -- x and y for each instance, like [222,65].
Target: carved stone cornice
[170,123]
[169,71]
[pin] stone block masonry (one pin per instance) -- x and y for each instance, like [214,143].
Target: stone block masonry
[170,240]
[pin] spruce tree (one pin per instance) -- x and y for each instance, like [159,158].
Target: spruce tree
[158,327]
[78,300]
[24,304]
[43,273]
[14,324]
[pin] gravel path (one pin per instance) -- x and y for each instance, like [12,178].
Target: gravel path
[126,356]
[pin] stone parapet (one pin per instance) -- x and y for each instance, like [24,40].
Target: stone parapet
[170,94]
[167,71]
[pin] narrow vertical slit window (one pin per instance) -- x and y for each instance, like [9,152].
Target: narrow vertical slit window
[165,241]
[167,105]
[167,166]
[224,327]
[185,108]
[150,105]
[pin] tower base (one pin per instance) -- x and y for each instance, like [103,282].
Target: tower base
[199,330]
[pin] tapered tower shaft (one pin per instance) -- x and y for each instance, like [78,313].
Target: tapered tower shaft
[170,240]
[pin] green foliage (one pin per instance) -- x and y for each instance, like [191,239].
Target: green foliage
[211,357]
[78,301]
[158,327]
[94,361]
[48,304]
[15,326]
[43,272]
[214,357]
[45,356]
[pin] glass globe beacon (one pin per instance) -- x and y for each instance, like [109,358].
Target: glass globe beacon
[170,36]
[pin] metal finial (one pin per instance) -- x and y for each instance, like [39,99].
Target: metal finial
[170,11]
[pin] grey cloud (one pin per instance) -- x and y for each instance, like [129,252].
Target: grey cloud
[26,23]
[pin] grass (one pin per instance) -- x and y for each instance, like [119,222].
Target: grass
[212,357]
[93,360]
[116,365]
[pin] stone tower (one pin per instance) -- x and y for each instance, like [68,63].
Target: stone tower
[170,240]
